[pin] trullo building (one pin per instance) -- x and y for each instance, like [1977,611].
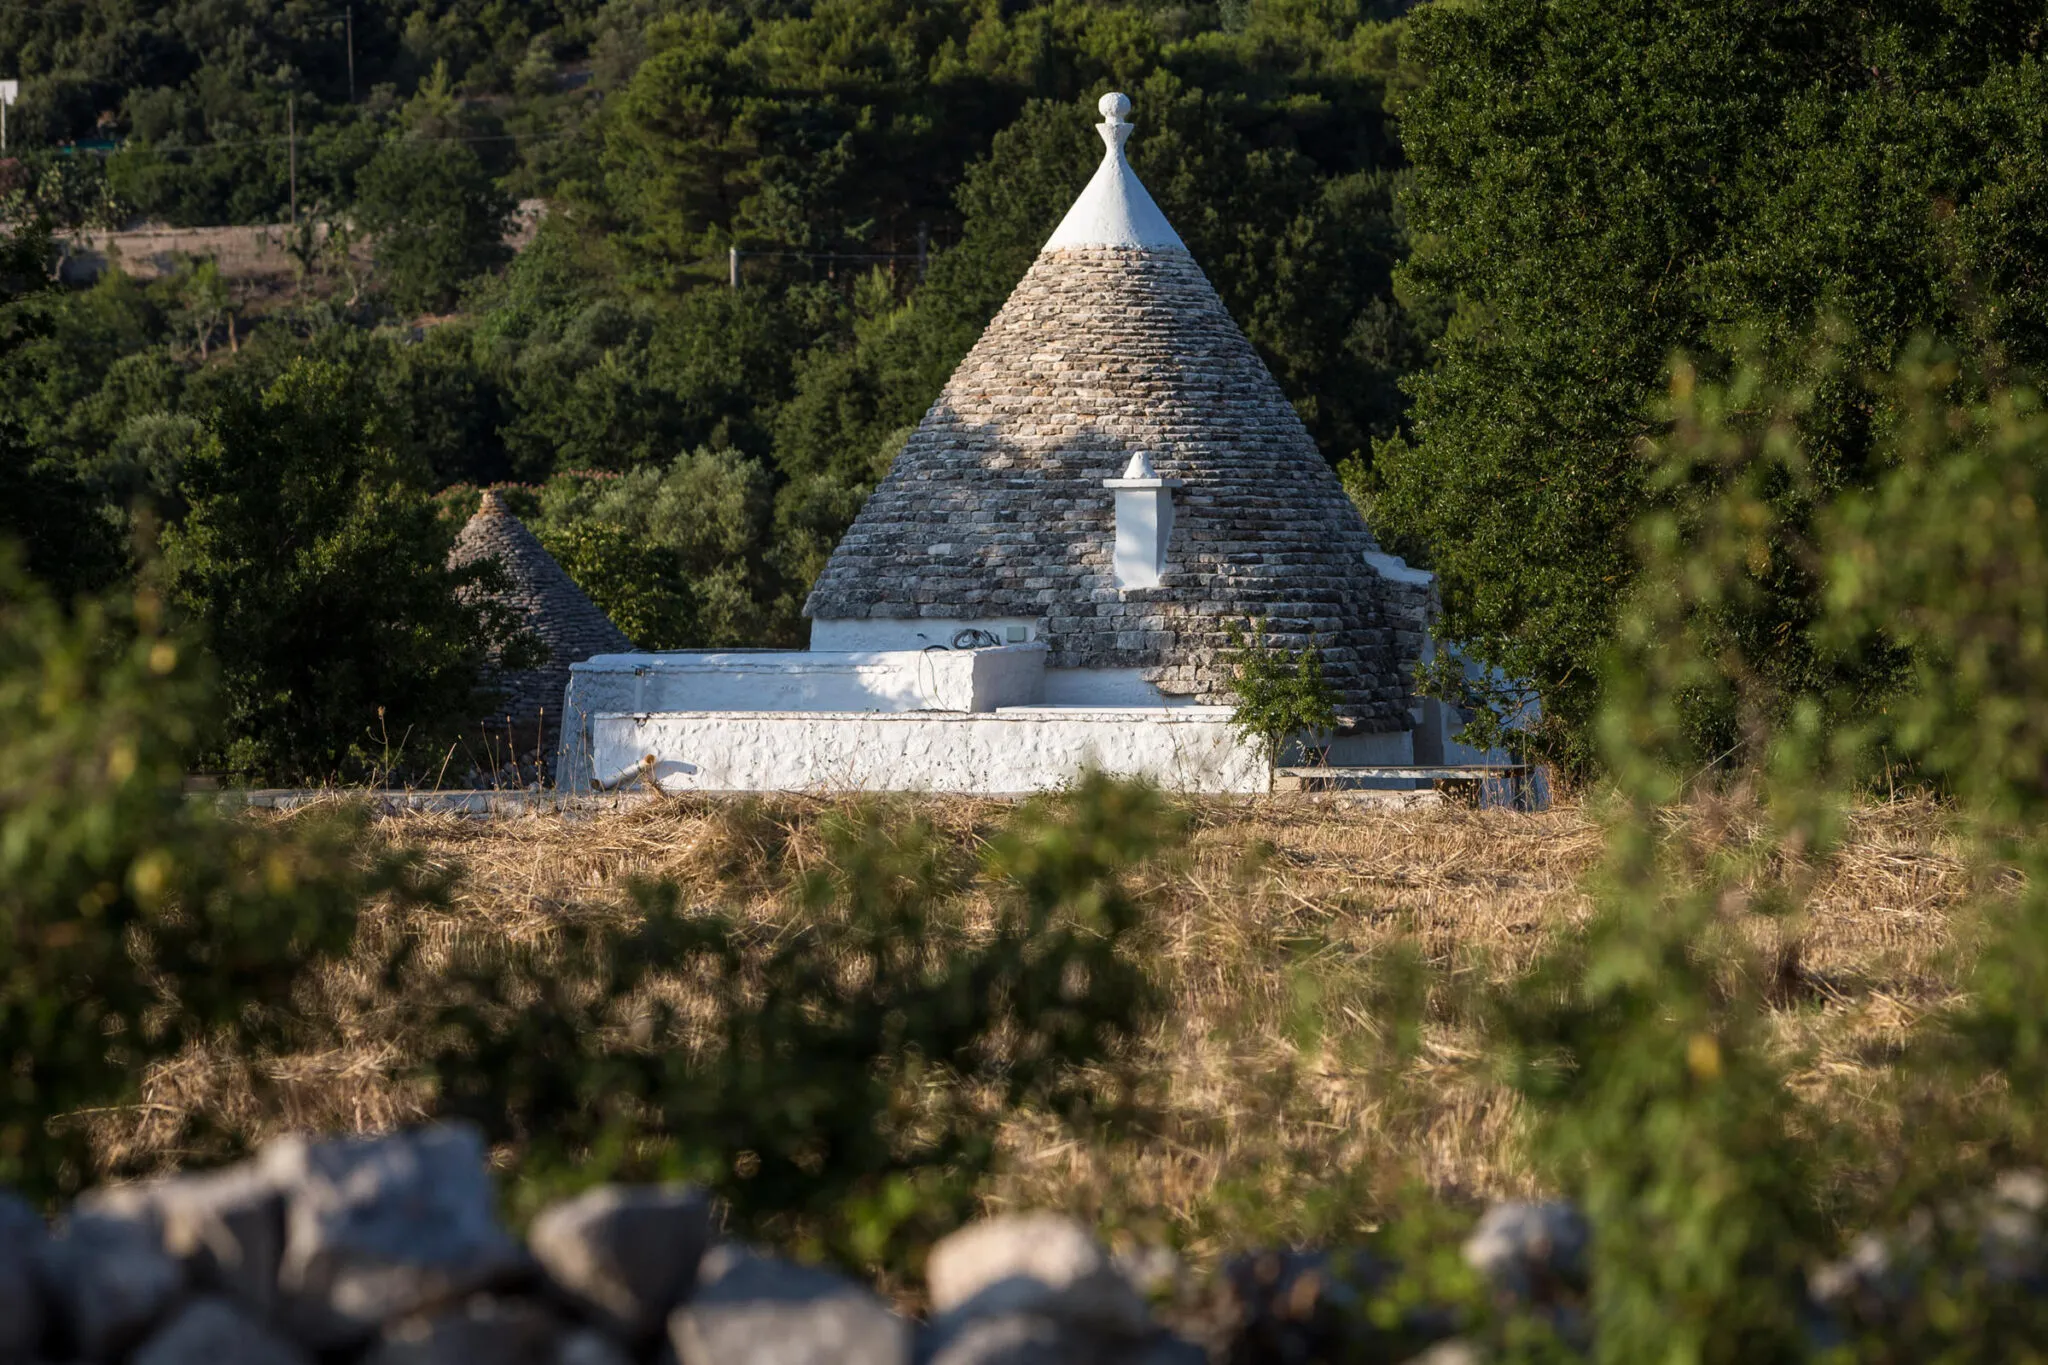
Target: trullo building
[1108,484]
[526,721]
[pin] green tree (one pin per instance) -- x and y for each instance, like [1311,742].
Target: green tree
[633,582]
[1282,695]
[314,566]
[437,218]
[1649,1052]
[623,383]
[1597,185]
[45,501]
[697,532]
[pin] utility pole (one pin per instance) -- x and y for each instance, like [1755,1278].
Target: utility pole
[732,267]
[349,15]
[8,91]
[291,138]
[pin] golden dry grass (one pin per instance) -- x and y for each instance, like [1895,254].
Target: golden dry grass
[1261,921]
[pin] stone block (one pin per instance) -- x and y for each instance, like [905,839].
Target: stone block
[1451,1352]
[22,1237]
[110,1281]
[480,1331]
[626,1254]
[215,1331]
[588,1346]
[1529,1250]
[377,1228]
[226,1227]
[1043,1264]
[756,1310]
[1167,1349]
[1009,1339]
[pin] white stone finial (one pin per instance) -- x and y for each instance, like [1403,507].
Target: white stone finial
[1115,129]
[1114,210]
[1140,467]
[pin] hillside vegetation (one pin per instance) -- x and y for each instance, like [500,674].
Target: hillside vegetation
[1469,240]
[884,170]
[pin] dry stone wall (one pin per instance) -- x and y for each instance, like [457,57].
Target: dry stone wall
[996,505]
[388,1250]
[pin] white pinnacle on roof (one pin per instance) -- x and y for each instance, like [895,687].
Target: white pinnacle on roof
[1115,210]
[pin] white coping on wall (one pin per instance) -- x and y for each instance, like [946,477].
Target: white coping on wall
[1105,687]
[789,681]
[1395,569]
[804,680]
[1115,210]
[1012,750]
[916,632]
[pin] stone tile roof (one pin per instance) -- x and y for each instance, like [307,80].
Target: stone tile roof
[996,505]
[566,621]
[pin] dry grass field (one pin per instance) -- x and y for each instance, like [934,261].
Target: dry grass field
[1269,1080]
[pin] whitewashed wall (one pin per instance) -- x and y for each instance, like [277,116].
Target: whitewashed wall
[1189,749]
[1104,687]
[790,680]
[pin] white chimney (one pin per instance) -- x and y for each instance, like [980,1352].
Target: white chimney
[1144,523]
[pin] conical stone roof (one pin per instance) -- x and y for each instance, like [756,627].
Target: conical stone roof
[1115,344]
[553,608]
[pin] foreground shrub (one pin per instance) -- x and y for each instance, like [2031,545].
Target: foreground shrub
[1658,1100]
[133,922]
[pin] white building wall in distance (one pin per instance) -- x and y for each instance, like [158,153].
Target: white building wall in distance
[1027,749]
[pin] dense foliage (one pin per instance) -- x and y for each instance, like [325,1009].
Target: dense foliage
[314,563]
[437,219]
[1598,185]
[47,507]
[884,168]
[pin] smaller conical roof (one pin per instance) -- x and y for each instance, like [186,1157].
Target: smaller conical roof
[553,608]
